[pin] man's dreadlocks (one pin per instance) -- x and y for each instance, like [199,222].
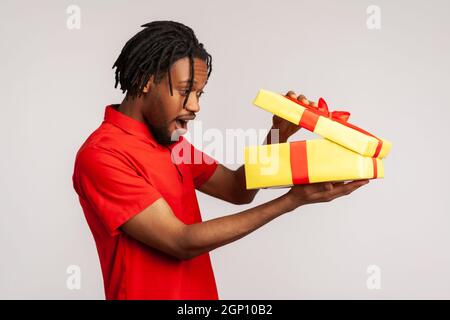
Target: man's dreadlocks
[152,51]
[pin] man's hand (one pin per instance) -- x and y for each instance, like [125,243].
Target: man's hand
[286,128]
[158,227]
[321,192]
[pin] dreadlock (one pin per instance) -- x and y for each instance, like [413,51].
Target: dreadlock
[152,51]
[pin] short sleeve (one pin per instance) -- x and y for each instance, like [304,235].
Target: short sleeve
[112,187]
[202,166]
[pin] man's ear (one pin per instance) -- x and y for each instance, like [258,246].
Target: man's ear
[148,86]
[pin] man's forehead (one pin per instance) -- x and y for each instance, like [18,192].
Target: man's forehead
[181,71]
[187,81]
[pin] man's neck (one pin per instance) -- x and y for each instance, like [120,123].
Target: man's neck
[131,108]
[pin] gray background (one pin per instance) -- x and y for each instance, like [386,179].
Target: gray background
[55,83]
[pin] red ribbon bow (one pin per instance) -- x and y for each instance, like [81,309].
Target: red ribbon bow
[338,116]
[335,115]
[322,110]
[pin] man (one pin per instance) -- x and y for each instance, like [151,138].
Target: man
[139,203]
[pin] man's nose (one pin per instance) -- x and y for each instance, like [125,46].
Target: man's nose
[192,104]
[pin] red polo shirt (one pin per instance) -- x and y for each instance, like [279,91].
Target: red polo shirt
[119,171]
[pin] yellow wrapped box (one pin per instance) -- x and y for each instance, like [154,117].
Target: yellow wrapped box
[303,162]
[330,125]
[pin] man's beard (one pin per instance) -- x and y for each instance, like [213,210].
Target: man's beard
[161,136]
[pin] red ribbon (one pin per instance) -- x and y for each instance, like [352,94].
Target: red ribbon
[335,115]
[299,163]
[311,115]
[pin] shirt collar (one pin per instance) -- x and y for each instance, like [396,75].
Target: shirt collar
[130,125]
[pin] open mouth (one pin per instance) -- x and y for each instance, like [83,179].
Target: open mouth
[181,124]
[181,121]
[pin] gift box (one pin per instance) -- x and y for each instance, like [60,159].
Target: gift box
[330,125]
[303,162]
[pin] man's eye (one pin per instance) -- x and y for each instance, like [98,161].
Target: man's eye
[186,92]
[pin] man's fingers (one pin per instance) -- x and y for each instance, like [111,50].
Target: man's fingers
[303,99]
[318,187]
[291,94]
[357,182]
[328,186]
[338,190]
[347,188]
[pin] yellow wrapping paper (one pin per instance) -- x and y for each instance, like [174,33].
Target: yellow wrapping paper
[302,162]
[340,132]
